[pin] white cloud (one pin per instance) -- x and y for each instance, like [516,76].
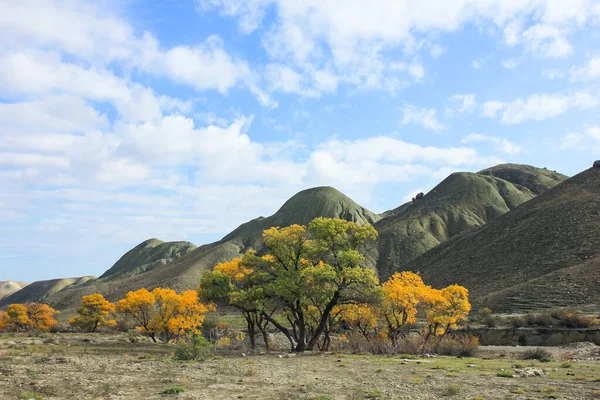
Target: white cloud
[552,74]
[589,71]
[511,63]
[538,107]
[501,144]
[547,41]
[425,117]
[466,101]
[477,64]
[588,140]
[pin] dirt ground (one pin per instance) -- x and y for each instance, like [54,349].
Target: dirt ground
[108,366]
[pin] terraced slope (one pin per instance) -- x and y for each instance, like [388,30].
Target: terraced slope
[545,253]
[460,203]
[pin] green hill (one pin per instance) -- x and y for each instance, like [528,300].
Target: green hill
[9,287]
[545,253]
[146,256]
[460,203]
[185,271]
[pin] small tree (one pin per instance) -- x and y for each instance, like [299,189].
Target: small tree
[140,305]
[402,294]
[361,317]
[93,313]
[17,317]
[444,309]
[42,316]
[3,320]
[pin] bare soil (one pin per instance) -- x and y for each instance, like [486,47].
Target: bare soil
[109,366]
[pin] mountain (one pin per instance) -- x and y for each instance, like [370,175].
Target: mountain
[545,253]
[185,272]
[41,290]
[462,202]
[9,287]
[150,254]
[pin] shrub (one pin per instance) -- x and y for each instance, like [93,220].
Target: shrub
[195,348]
[374,395]
[174,390]
[458,346]
[517,322]
[576,321]
[452,390]
[490,321]
[544,320]
[537,354]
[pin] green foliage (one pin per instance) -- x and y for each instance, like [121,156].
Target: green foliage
[31,395]
[505,374]
[174,390]
[195,348]
[374,395]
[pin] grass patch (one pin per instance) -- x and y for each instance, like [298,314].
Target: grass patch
[374,395]
[173,390]
[505,374]
[322,397]
[452,390]
[518,391]
[541,355]
[31,395]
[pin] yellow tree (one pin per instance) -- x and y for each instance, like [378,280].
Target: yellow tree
[361,317]
[95,311]
[190,316]
[3,320]
[167,306]
[42,316]
[140,305]
[17,317]
[444,309]
[401,296]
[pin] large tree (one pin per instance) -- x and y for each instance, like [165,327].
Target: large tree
[307,272]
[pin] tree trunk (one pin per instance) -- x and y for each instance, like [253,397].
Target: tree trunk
[282,329]
[323,323]
[251,329]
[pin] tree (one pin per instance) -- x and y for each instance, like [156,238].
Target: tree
[3,320]
[165,313]
[17,317]
[402,294]
[361,317]
[93,313]
[316,267]
[140,305]
[42,316]
[231,283]
[444,309]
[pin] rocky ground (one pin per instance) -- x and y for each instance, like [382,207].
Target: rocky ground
[109,366]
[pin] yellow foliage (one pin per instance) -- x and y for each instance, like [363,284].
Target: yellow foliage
[42,316]
[3,320]
[140,305]
[93,313]
[240,337]
[17,316]
[402,293]
[223,342]
[445,308]
[234,269]
[363,317]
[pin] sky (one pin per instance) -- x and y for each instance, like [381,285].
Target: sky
[126,120]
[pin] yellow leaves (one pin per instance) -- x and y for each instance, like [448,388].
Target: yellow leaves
[42,316]
[164,312]
[93,313]
[3,320]
[234,269]
[402,294]
[361,316]
[17,316]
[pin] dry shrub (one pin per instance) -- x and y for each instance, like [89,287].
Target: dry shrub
[456,345]
[542,355]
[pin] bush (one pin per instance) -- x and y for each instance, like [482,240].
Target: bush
[195,348]
[576,321]
[538,354]
[452,390]
[174,390]
[544,320]
[517,322]
[505,374]
[458,346]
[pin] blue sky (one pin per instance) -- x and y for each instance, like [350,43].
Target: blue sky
[121,121]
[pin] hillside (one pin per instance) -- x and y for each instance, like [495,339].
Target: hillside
[150,254]
[185,272]
[545,253]
[40,290]
[9,287]
[460,203]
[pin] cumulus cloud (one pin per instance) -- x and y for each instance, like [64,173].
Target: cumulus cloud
[537,107]
[501,144]
[424,117]
[466,102]
[588,72]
